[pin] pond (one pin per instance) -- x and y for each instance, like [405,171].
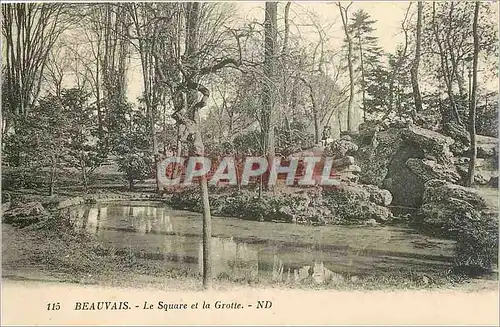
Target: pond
[252,250]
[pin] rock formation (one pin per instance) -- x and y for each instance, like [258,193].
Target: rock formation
[402,160]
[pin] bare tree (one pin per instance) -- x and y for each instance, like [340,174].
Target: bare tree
[30,30]
[183,45]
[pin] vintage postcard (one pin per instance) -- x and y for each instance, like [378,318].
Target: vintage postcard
[250,163]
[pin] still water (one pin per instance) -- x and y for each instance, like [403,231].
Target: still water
[252,250]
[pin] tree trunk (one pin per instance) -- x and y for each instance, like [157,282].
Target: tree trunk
[363,83]
[417,97]
[472,103]
[269,95]
[52,176]
[314,107]
[196,147]
[343,14]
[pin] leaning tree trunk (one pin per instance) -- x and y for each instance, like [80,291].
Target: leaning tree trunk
[197,149]
[472,103]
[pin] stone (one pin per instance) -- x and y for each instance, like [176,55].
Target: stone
[374,157]
[24,214]
[376,212]
[352,203]
[342,162]
[378,196]
[441,214]
[70,202]
[439,191]
[433,144]
[401,160]
[352,169]
[341,148]
[460,136]
[348,177]
[429,169]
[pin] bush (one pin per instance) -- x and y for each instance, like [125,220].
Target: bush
[459,213]
[476,250]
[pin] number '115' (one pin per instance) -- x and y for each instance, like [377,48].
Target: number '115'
[53,306]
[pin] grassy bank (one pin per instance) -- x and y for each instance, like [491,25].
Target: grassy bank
[52,251]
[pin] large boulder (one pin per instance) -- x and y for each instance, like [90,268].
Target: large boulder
[402,160]
[460,135]
[353,203]
[427,169]
[375,153]
[434,145]
[341,148]
[466,215]
[377,195]
[440,215]
[439,191]
[24,214]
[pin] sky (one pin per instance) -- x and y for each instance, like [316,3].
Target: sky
[388,15]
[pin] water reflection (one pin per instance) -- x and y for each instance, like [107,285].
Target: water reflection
[159,233]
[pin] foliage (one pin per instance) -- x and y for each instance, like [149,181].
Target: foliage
[133,149]
[248,143]
[487,116]
[58,133]
[477,243]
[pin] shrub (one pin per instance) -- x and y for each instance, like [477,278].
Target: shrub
[476,250]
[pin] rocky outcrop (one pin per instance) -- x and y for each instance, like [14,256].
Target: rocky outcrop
[402,160]
[463,214]
[439,191]
[342,151]
[460,135]
[24,214]
[427,169]
[434,146]
[355,202]
[445,203]
[377,195]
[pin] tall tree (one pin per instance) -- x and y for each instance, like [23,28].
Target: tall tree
[417,97]
[472,102]
[344,15]
[369,53]
[30,30]
[269,94]
[187,36]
